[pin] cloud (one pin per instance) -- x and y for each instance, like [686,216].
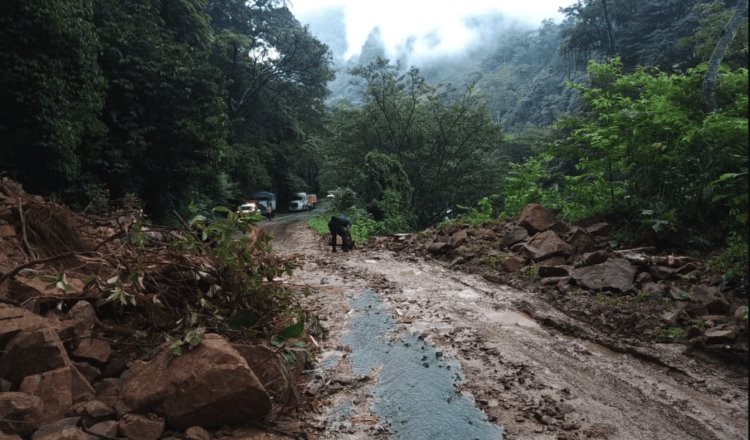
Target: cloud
[432,27]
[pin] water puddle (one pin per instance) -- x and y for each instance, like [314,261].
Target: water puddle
[415,394]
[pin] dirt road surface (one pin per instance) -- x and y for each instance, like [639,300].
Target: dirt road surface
[516,368]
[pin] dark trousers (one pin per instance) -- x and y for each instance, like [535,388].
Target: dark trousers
[344,233]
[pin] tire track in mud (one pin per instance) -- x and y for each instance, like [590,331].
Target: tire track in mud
[533,380]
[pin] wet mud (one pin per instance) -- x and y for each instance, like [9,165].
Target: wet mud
[534,372]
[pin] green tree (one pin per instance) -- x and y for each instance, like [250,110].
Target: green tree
[167,127]
[51,89]
[443,140]
[645,148]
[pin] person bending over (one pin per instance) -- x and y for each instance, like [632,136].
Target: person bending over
[340,225]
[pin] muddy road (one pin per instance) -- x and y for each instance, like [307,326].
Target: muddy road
[415,350]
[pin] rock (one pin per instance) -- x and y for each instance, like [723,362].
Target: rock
[602,228]
[84,317]
[277,378]
[108,390]
[515,234]
[197,433]
[94,411]
[554,271]
[458,238]
[644,278]
[552,261]
[592,258]
[555,281]
[614,274]
[660,272]
[437,248]
[720,335]
[678,294]
[54,389]
[685,269]
[712,299]
[485,234]
[210,385]
[536,218]
[88,371]
[32,351]
[20,413]
[92,349]
[13,320]
[675,316]
[458,260]
[140,427]
[656,289]
[580,240]
[513,264]
[547,244]
[63,429]
[635,257]
[105,429]
[560,228]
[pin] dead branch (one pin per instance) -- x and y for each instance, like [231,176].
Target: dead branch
[18,269]
[24,235]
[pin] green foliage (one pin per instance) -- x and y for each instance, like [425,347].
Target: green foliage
[52,91]
[671,333]
[494,262]
[732,261]
[530,182]
[529,272]
[429,145]
[645,149]
[482,213]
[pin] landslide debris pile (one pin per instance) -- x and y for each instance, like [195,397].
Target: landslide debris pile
[639,293]
[94,312]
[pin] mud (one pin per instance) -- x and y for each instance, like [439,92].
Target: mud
[535,372]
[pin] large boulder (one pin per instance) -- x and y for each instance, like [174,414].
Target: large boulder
[536,218]
[614,274]
[546,244]
[210,385]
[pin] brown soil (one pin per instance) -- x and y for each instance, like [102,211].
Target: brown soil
[535,371]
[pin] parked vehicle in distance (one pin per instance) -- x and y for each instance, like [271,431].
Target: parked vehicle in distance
[298,202]
[266,203]
[247,209]
[312,201]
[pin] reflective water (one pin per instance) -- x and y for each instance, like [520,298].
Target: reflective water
[416,392]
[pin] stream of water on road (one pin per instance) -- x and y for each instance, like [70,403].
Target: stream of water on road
[416,392]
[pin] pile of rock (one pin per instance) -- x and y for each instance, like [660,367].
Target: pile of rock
[565,258]
[60,380]
[76,362]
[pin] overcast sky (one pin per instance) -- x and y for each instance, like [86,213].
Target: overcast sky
[426,20]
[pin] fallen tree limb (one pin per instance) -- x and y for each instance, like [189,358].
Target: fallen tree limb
[18,269]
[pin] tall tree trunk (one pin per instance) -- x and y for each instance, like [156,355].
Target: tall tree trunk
[608,23]
[712,74]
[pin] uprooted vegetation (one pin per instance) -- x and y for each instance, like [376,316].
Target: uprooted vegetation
[89,297]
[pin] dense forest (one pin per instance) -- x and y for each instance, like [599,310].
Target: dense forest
[632,110]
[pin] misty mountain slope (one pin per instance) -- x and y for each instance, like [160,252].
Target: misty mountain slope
[518,70]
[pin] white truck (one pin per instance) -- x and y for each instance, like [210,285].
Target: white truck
[298,202]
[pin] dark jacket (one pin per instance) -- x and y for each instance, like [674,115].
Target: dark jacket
[340,220]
